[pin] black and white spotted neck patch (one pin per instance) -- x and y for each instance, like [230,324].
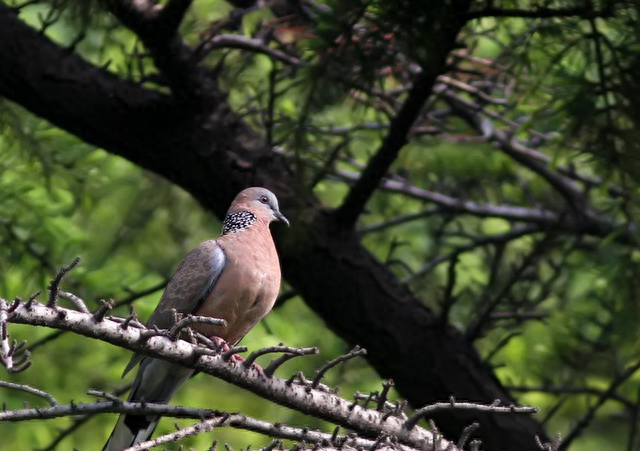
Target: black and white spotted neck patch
[235,222]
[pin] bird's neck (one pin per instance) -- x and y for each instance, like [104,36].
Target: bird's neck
[238,221]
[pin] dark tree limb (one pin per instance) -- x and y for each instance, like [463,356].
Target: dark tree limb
[353,205]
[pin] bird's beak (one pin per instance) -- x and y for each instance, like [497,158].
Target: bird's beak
[280,217]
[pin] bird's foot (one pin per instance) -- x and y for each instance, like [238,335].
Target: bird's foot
[259,369]
[255,366]
[220,343]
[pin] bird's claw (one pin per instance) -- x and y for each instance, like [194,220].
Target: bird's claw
[255,366]
[223,347]
[220,343]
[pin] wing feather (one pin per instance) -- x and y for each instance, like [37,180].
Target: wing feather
[191,283]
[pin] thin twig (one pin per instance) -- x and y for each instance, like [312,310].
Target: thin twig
[355,352]
[31,390]
[270,370]
[54,286]
[439,406]
[382,398]
[288,350]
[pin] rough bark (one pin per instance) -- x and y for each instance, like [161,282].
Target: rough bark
[209,151]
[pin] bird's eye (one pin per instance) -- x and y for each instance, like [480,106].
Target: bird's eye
[264,199]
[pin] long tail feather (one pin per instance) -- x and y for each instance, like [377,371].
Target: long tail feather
[156,381]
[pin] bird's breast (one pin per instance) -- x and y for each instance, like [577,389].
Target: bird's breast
[247,287]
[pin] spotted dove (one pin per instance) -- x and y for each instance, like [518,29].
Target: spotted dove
[235,277]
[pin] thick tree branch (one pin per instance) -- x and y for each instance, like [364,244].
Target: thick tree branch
[157,27]
[368,182]
[171,16]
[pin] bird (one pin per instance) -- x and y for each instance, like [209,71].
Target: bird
[235,277]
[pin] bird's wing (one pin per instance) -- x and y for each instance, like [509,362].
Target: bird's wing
[190,285]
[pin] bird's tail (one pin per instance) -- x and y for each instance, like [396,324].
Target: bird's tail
[156,382]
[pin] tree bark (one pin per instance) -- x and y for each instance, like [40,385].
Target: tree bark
[208,150]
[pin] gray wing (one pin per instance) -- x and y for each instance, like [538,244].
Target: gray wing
[190,285]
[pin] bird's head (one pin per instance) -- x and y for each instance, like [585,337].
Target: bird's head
[259,201]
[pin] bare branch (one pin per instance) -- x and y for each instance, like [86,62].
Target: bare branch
[466,434]
[477,325]
[12,356]
[79,421]
[31,390]
[399,220]
[560,390]
[75,300]
[510,146]
[377,168]
[355,352]
[320,403]
[382,398]
[454,405]
[54,286]
[235,41]
[238,421]
[517,232]
[104,308]
[450,204]
[288,350]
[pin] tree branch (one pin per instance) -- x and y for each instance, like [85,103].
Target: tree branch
[171,15]
[237,421]
[590,224]
[32,391]
[579,427]
[234,41]
[560,390]
[312,399]
[541,12]
[509,145]
[368,182]
[454,405]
